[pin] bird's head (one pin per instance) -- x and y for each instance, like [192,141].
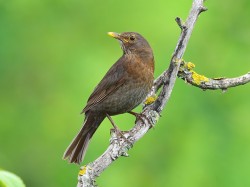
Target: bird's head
[132,42]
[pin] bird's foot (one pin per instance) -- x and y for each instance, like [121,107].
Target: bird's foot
[140,116]
[118,132]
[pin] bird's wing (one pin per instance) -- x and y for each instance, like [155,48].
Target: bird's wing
[113,79]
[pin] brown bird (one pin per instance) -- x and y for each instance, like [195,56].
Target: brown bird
[123,88]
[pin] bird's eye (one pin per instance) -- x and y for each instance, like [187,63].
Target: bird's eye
[132,38]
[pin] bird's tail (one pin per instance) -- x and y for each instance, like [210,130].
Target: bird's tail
[77,149]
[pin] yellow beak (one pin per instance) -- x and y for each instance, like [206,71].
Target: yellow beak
[114,35]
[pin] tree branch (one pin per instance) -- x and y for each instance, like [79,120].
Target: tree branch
[187,73]
[150,115]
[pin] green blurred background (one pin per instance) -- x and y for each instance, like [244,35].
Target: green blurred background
[54,52]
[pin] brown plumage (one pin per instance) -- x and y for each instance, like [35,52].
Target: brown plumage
[123,88]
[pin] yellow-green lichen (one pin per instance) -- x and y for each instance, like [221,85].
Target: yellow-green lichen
[189,65]
[178,60]
[198,79]
[82,170]
[219,78]
[150,100]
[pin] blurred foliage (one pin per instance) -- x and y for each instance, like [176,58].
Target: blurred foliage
[54,52]
[8,179]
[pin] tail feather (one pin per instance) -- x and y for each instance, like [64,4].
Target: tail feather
[77,149]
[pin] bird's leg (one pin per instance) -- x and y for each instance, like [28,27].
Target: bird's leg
[137,115]
[117,130]
[140,116]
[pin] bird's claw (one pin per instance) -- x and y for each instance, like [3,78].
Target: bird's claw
[142,117]
[119,134]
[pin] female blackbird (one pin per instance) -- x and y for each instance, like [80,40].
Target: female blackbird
[124,87]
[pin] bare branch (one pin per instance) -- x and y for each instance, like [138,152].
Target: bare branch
[187,73]
[150,115]
[168,77]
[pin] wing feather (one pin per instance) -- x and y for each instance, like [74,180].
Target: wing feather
[113,79]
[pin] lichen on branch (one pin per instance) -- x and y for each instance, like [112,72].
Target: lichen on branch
[187,73]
